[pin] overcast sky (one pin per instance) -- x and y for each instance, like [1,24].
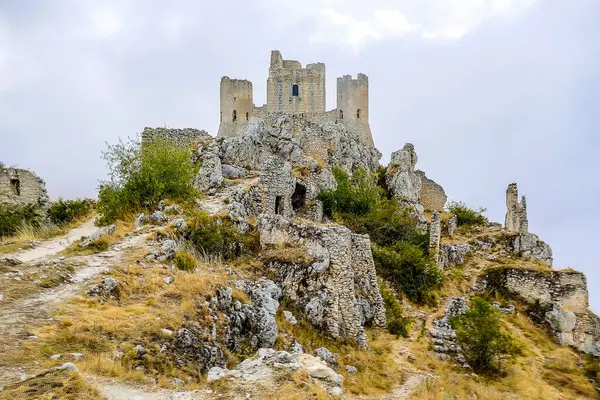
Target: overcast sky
[489,91]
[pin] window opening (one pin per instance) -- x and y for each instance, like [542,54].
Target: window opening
[235,115]
[294,90]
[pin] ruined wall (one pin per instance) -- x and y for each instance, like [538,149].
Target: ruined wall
[293,89]
[337,289]
[184,137]
[431,196]
[276,187]
[558,297]
[353,104]
[237,106]
[21,187]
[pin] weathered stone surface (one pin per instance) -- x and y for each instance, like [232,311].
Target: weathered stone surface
[140,220]
[20,187]
[452,255]
[516,212]
[558,297]
[158,217]
[330,288]
[452,224]
[528,245]
[401,178]
[276,187]
[209,175]
[184,137]
[231,172]
[94,237]
[432,196]
[443,336]
[435,231]
[173,209]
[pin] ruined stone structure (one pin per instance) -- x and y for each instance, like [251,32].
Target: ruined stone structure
[297,90]
[337,289]
[431,196]
[184,136]
[20,187]
[516,212]
[559,297]
[435,231]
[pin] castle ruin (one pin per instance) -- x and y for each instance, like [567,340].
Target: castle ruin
[22,187]
[292,89]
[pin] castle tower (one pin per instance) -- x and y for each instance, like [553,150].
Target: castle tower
[292,89]
[236,106]
[353,104]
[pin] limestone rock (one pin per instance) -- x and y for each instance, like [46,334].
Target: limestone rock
[158,217]
[209,175]
[528,245]
[401,178]
[452,224]
[289,317]
[231,172]
[435,231]
[331,286]
[173,209]
[451,255]
[140,220]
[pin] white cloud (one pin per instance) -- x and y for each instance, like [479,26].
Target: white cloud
[380,19]
[105,21]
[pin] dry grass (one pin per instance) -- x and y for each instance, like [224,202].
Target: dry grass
[146,306]
[102,244]
[544,371]
[378,373]
[52,385]
[286,255]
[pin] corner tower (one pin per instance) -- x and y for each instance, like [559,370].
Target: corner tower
[236,106]
[353,104]
[292,89]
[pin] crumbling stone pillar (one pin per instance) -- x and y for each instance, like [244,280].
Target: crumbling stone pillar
[516,212]
[401,178]
[435,232]
[452,224]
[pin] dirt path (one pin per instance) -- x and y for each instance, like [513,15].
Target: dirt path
[17,318]
[56,245]
[122,391]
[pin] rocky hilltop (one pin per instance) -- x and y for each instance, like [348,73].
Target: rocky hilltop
[301,269]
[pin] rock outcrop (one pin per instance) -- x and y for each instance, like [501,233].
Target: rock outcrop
[337,289]
[558,297]
[22,187]
[401,179]
[528,245]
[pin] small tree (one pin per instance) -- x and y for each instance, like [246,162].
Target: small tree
[479,333]
[140,176]
[357,195]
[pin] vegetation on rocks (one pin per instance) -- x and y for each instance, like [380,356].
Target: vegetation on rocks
[466,216]
[66,211]
[483,341]
[141,176]
[12,217]
[400,251]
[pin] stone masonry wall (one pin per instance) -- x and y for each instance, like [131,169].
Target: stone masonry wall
[338,289]
[21,187]
[431,196]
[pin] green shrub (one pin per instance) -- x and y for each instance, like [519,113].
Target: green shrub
[466,216]
[408,269]
[140,176]
[185,261]
[481,337]
[357,195]
[216,236]
[397,323]
[65,211]
[12,217]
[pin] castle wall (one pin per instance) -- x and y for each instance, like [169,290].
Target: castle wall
[236,106]
[292,89]
[432,196]
[21,187]
[353,104]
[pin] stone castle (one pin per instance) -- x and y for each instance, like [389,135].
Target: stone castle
[292,89]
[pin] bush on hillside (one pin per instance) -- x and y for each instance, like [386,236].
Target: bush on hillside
[357,195]
[140,176]
[12,217]
[218,237]
[397,323]
[405,265]
[481,337]
[185,261]
[65,211]
[466,216]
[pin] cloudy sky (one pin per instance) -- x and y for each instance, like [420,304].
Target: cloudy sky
[489,91]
